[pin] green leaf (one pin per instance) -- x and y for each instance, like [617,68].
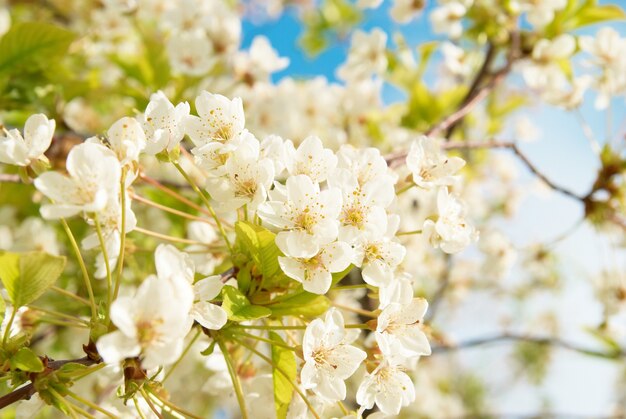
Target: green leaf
[259,243]
[30,43]
[301,304]
[596,14]
[284,360]
[26,360]
[239,308]
[70,368]
[28,275]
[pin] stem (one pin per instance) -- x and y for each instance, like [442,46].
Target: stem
[69,294]
[262,339]
[349,287]
[136,403]
[173,194]
[284,374]
[146,397]
[205,201]
[59,314]
[356,310]
[7,331]
[169,372]
[90,404]
[105,256]
[408,233]
[235,378]
[165,236]
[120,258]
[168,209]
[170,405]
[244,326]
[83,268]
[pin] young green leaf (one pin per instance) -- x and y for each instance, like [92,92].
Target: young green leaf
[301,304]
[259,243]
[31,43]
[284,360]
[238,307]
[28,275]
[26,360]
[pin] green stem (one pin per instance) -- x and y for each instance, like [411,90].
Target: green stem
[166,237]
[90,404]
[349,287]
[83,268]
[170,405]
[69,294]
[120,258]
[206,203]
[64,316]
[7,331]
[105,256]
[284,374]
[235,378]
[136,403]
[408,233]
[262,339]
[180,358]
[244,326]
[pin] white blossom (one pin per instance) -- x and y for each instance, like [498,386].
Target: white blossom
[329,357]
[451,232]
[163,123]
[25,150]
[308,215]
[94,179]
[430,166]
[400,328]
[314,272]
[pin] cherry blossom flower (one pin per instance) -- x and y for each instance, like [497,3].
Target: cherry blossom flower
[163,123]
[23,151]
[315,272]
[311,159]
[308,215]
[94,179]
[329,357]
[151,324]
[451,232]
[429,166]
[220,119]
[400,328]
[388,386]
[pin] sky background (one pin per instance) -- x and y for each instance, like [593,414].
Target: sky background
[576,384]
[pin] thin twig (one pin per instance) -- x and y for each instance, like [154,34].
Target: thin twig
[494,144]
[539,340]
[25,392]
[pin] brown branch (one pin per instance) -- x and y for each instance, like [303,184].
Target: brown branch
[483,72]
[511,337]
[494,144]
[25,392]
[477,92]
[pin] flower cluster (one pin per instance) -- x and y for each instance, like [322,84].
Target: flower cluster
[325,211]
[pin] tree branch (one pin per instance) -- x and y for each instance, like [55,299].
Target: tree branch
[493,144]
[512,337]
[477,93]
[25,392]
